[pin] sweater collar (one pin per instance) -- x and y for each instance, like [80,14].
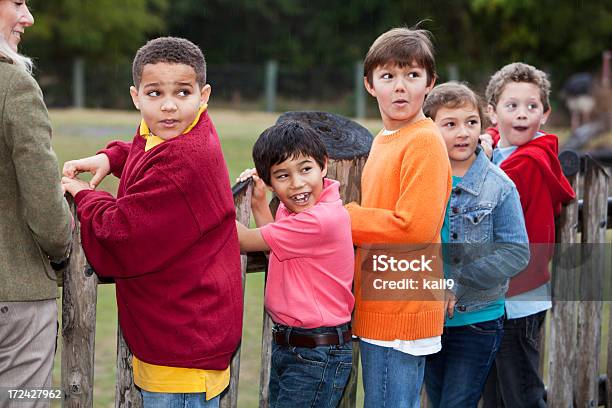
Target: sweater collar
[153,140]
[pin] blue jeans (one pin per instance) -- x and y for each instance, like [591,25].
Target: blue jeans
[455,376]
[169,400]
[303,377]
[514,380]
[391,378]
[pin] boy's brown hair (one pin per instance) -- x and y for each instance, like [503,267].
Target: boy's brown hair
[401,46]
[172,50]
[451,95]
[518,72]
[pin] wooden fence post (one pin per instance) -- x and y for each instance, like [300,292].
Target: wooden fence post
[126,393]
[266,337]
[591,281]
[242,202]
[78,325]
[266,354]
[348,172]
[563,314]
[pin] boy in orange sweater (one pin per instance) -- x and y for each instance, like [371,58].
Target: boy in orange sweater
[405,185]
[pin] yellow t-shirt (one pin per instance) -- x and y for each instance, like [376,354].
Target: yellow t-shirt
[155,378]
[153,140]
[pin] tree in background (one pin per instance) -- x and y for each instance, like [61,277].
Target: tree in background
[560,36]
[473,38]
[104,32]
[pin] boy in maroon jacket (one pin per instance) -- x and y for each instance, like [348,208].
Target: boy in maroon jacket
[169,238]
[517,97]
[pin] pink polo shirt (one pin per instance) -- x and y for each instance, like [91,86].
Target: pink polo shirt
[311,265]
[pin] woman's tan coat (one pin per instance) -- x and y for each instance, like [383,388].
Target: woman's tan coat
[34,216]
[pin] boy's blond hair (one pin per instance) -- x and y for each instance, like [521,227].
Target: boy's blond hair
[401,46]
[518,72]
[451,95]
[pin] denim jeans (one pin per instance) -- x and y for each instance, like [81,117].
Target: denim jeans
[391,379]
[303,377]
[455,376]
[178,400]
[514,380]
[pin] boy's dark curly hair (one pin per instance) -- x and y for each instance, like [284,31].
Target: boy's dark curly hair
[172,50]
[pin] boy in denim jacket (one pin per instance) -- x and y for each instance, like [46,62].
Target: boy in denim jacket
[487,244]
[517,98]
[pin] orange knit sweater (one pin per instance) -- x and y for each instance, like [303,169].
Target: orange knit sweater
[405,186]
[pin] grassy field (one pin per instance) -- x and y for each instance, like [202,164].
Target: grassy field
[81,133]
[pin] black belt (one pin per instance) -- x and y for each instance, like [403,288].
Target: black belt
[289,337]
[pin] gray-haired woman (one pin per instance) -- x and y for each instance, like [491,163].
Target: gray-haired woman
[34,222]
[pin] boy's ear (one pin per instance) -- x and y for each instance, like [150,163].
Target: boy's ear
[545,116]
[205,94]
[492,115]
[134,95]
[369,88]
[431,85]
[324,169]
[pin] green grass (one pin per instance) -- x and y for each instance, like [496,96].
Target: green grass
[80,133]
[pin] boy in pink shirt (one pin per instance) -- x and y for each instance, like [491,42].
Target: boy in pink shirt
[310,274]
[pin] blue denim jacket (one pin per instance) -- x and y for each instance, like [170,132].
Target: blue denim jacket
[488,240]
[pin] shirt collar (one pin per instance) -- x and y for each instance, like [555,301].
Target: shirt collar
[474,178]
[153,140]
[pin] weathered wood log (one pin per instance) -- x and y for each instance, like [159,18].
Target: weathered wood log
[242,202]
[344,139]
[591,281]
[126,393]
[562,340]
[78,325]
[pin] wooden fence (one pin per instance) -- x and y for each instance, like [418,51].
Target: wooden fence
[575,326]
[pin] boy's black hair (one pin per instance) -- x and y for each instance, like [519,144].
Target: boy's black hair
[286,140]
[172,50]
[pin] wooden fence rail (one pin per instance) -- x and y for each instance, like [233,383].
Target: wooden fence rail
[575,326]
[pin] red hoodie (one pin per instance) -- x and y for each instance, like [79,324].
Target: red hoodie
[536,171]
[169,240]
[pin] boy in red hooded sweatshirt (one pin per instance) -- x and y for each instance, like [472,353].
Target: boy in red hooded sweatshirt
[517,97]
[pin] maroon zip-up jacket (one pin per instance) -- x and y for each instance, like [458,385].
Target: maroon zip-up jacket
[169,239]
